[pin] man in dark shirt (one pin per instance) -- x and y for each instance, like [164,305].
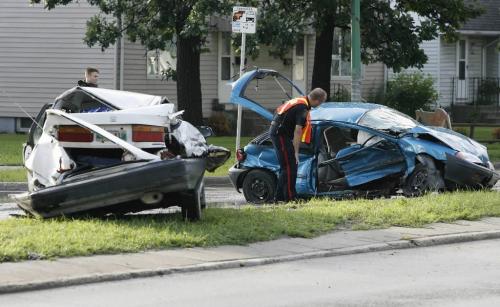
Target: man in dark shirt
[291,125]
[91,76]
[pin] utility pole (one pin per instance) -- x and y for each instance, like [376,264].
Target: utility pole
[355,51]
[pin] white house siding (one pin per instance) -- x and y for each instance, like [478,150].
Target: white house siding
[431,68]
[475,65]
[267,92]
[135,74]
[42,54]
[372,74]
[448,70]
[492,56]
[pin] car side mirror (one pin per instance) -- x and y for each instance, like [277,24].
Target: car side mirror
[206,131]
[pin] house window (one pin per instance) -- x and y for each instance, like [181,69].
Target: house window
[462,60]
[341,53]
[225,56]
[160,62]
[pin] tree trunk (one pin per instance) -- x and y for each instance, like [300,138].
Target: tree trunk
[323,54]
[188,79]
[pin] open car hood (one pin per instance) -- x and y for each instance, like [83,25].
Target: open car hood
[454,140]
[239,86]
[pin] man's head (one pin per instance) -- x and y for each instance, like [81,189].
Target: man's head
[316,97]
[91,75]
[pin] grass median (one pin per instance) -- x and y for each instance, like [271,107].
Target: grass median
[27,238]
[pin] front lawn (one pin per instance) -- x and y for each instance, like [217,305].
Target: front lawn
[11,146]
[21,238]
[228,142]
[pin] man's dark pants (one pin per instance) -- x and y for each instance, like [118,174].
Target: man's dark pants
[283,145]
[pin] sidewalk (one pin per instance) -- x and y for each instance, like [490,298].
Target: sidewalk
[32,275]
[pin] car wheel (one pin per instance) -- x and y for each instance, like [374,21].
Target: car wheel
[259,187]
[191,204]
[203,198]
[424,178]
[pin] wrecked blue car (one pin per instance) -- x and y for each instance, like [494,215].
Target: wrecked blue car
[359,150]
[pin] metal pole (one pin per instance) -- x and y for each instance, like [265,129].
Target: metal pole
[242,67]
[355,51]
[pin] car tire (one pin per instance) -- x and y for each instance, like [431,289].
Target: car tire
[259,187]
[191,204]
[203,199]
[425,178]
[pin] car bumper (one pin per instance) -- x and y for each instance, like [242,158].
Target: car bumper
[469,174]
[116,185]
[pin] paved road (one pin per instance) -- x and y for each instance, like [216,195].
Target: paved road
[449,275]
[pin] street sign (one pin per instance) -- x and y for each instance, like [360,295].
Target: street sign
[244,19]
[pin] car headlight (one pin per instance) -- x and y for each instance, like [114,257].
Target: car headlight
[468,157]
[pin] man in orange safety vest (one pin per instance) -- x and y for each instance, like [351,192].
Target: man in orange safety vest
[291,125]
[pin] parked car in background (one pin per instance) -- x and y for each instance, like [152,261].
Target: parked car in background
[360,149]
[99,151]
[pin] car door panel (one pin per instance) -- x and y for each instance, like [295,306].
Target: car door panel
[372,162]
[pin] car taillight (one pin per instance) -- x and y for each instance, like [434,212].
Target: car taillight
[240,155]
[143,133]
[74,134]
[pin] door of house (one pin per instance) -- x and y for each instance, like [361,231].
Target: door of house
[225,69]
[299,66]
[462,66]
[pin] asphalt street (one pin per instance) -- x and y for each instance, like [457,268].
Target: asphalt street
[463,274]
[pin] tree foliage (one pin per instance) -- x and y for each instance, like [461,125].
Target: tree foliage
[391,31]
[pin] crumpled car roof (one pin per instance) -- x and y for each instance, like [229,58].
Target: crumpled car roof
[120,99]
[349,112]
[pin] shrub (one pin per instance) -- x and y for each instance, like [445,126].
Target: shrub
[488,91]
[220,123]
[496,133]
[409,92]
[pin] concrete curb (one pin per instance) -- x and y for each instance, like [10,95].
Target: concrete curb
[231,264]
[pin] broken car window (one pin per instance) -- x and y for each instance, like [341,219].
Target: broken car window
[78,101]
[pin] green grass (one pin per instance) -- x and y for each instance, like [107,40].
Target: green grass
[64,237]
[480,133]
[228,142]
[494,151]
[11,146]
[13,175]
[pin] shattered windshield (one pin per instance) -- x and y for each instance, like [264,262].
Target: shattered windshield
[387,119]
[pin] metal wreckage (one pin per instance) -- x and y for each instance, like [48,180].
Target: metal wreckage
[99,151]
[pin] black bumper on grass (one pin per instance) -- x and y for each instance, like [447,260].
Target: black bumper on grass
[469,174]
[140,185]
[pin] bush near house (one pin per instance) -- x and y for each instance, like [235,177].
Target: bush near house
[496,133]
[409,92]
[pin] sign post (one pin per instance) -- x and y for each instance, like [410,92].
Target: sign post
[355,52]
[244,21]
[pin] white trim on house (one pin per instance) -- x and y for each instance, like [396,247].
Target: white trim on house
[462,86]
[479,33]
[223,87]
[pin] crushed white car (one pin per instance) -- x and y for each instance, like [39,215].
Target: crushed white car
[98,151]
